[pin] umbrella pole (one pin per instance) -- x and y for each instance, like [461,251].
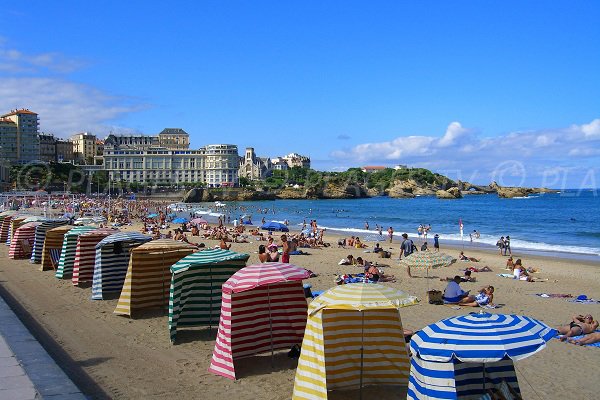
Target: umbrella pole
[362,337]
[270,325]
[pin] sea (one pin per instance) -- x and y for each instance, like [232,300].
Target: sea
[565,224]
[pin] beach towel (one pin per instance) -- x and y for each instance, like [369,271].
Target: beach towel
[511,276]
[553,295]
[597,344]
[583,299]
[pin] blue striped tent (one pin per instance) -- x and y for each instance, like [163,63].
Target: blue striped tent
[111,266]
[462,357]
[40,236]
[67,253]
[195,291]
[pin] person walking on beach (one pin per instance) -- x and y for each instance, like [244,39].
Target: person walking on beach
[407,247]
[436,242]
[500,244]
[285,246]
[507,250]
[390,233]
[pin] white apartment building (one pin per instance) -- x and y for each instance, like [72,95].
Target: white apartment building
[216,165]
[84,147]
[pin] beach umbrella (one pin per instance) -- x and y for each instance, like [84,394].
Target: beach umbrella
[275,226]
[352,329]
[198,221]
[152,215]
[427,260]
[180,220]
[458,349]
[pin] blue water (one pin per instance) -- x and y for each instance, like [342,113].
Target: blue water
[566,222]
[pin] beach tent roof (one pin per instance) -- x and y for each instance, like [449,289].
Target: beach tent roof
[60,229]
[361,296]
[79,230]
[29,225]
[206,257]
[162,244]
[35,218]
[100,232]
[253,276]
[123,237]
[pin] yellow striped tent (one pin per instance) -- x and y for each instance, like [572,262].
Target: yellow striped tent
[54,240]
[15,223]
[148,276]
[353,338]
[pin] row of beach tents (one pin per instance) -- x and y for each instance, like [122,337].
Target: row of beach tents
[350,336]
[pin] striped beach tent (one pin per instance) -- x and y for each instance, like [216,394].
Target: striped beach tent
[35,218]
[462,357]
[149,276]
[24,234]
[15,223]
[112,260]
[195,291]
[7,216]
[85,254]
[67,252]
[40,236]
[263,309]
[353,337]
[54,240]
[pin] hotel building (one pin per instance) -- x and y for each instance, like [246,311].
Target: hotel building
[19,143]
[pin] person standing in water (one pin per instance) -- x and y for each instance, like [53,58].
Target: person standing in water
[436,242]
[390,233]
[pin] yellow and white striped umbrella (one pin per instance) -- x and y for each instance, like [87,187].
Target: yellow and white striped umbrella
[353,337]
[427,260]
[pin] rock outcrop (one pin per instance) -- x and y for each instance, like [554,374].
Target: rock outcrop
[451,193]
[512,192]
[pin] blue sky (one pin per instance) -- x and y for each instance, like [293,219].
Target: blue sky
[478,90]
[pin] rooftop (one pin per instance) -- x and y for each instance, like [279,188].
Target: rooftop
[19,111]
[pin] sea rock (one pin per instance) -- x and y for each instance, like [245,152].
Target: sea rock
[452,193]
[342,191]
[374,192]
[252,195]
[399,193]
[197,195]
[291,194]
[511,192]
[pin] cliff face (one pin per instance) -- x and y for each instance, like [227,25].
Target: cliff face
[512,192]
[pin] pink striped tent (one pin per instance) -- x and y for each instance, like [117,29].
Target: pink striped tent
[22,241]
[85,254]
[263,308]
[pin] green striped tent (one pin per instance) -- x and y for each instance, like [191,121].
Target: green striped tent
[195,293]
[67,253]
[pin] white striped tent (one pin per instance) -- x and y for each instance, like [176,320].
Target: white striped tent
[148,276]
[85,254]
[353,337]
[263,309]
[40,236]
[54,240]
[462,357]
[112,260]
[195,290]
[25,233]
[67,252]
[15,223]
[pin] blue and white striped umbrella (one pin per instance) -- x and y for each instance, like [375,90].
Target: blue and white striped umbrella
[482,337]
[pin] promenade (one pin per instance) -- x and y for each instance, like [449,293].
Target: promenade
[27,371]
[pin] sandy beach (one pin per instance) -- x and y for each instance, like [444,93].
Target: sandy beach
[111,356]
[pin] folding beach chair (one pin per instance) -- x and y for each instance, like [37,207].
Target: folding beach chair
[54,257]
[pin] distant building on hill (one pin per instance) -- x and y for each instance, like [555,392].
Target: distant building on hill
[372,168]
[290,161]
[400,166]
[53,149]
[174,139]
[84,147]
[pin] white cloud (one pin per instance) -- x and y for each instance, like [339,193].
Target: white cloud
[462,154]
[40,82]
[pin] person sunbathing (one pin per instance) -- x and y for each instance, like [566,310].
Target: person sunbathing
[483,298]
[349,260]
[482,269]
[591,338]
[466,278]
[580,325]
[462,257]
[510,265]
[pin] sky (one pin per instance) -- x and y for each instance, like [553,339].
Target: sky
[476,90]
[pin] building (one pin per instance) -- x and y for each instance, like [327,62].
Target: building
[253,167]
[215,165]
[400,166]
[279,164]
[19,143]
[174,139]
[64,150]
[295,160]
[372,168]
[113,141]
[47,148]
[84,147]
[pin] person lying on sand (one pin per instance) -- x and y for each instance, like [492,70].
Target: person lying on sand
[466,278]
[483,298]
[482,269]
[591,338]
[580,325]
[462,257]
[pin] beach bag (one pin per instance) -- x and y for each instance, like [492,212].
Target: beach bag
[434,297]
[384,254]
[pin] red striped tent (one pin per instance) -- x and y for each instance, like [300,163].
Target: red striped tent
[148,276]
[15,223]
[85,254]
[25,233]
[263,309]
[7,216]
[54,240]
